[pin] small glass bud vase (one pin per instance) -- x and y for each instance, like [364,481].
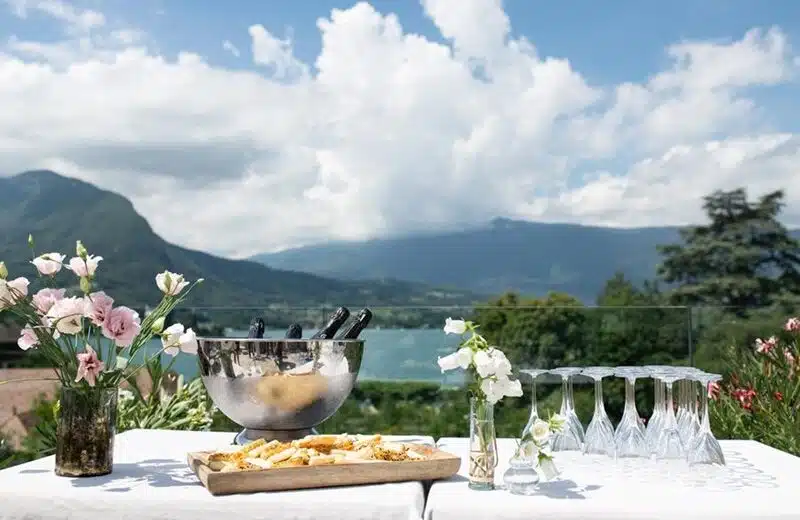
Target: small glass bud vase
[482,445]
[521,477]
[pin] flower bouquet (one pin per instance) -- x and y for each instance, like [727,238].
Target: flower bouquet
[490,380]
[89,341]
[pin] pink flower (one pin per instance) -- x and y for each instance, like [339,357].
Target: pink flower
[713,390]
[89,366]
[98,307]
[46,298]
[11,292]
[49,264]
[67,315]
[793,325]
[122,325]
[82,267]
[766,346]
[789,356]
[27,339]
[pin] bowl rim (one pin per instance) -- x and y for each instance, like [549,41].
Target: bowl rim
[278,340]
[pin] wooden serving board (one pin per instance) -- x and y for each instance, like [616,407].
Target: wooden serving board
[439,465]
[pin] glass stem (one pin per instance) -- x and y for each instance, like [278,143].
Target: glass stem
[670,409]
[570,395]
[630,396]
[564,397]
[534,404]
[706,426]
[599,407]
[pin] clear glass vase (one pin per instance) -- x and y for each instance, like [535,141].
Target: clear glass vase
[482,444]
[85,430]
[521,477]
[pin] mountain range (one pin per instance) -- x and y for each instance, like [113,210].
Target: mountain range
[58,210]
[526,257]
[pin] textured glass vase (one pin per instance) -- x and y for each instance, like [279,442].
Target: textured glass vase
[482,444]
[86,425]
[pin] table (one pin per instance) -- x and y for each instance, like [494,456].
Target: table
[758,482]
[151,480]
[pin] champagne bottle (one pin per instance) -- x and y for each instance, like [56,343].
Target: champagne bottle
[359,323]
[336,320]
[256,330]
[295,331]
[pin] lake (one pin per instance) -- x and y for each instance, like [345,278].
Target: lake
[389,354]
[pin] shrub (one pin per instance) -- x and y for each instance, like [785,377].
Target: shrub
[759,395]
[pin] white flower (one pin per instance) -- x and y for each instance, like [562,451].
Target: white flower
[452,326]
[12,291]
[82,267]
[67,314]
[492,362]
[49,264]
[540,431]
[556,422]
[458,359]
[170,284]
[176,339]
[548,468]
[495,388]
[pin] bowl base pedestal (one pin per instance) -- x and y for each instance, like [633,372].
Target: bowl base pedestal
[249,435]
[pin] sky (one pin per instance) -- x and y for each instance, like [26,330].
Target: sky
[250,126]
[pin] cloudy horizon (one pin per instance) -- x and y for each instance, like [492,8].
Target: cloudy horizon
[353,121]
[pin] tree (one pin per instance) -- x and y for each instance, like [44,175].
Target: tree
[744,258]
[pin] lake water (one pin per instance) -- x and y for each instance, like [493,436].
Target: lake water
[389,354]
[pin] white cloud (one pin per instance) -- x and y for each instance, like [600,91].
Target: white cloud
[388,132]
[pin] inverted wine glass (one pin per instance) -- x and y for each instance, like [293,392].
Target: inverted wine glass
[570,438]
[689,422]
[533,373]
[705,449]
[629,435]
[669,444]
[599,439]
[653,428]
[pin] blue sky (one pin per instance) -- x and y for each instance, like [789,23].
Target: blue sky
[601,125]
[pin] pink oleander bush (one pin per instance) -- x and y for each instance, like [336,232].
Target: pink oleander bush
[759,395]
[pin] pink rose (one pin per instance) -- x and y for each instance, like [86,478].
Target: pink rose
[49,264]
[11,292]
[766,346]
[89,366]
[121,325]
[46,298]
[98,307]
[27,339]
[793,325]
[82,267]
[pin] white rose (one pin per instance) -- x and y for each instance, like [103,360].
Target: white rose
[452,326]
[170,284]
[529,449]
[67,315]
[458,359]
[540,431]
[49,264]
[548,468]
[82,267]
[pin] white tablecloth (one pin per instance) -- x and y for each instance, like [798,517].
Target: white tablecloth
[758,482]
[151,480]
